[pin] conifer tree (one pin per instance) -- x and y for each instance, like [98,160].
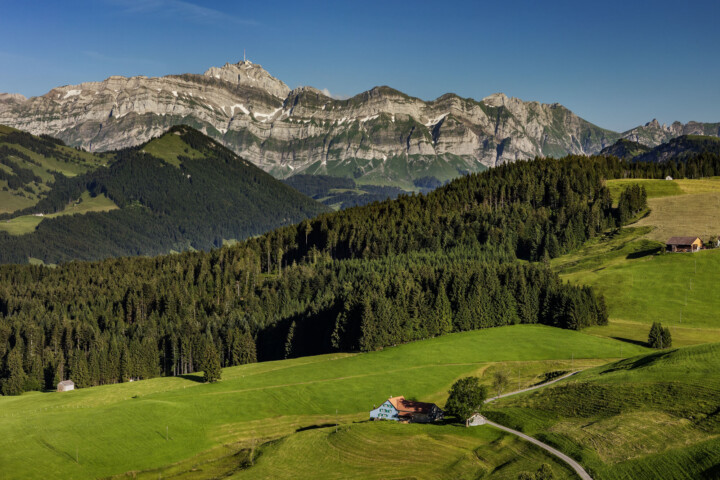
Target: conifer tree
[14,384]
[211,364]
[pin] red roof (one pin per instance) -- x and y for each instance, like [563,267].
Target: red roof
[408,407]
[681,240]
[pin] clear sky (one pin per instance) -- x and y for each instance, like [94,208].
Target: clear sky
[615,63]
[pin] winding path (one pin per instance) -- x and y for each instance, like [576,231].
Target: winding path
[573,464]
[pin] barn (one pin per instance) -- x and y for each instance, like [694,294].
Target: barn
[683,244]
[400,409]
[66,386]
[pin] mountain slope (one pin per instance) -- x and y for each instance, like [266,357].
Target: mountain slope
[625,149]
[680,148]
[381,136]
[179,191]
[29,166]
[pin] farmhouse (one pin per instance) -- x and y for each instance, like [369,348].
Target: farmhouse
[65,385]
[401,410]
[683,244]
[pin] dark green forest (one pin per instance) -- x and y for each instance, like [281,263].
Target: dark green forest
[162,207]
[356,280]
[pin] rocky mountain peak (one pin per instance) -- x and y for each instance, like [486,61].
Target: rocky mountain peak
[12,98]
[496,100]
[249,74]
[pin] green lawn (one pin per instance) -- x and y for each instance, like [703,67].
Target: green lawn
[652,416]
[28,223]
[118,428]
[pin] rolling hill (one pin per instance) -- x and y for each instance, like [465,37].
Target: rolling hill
[285,412]
[647,417]
[176,192]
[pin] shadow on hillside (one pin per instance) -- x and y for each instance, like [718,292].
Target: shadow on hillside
[643,361]
[192,377]
[643,253]
[630,340]
[62,453]
[314,427]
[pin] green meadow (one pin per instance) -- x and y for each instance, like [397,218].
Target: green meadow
[146,425]
[646,417]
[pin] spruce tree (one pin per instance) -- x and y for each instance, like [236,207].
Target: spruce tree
[211,364]
[14,384]
[443,312]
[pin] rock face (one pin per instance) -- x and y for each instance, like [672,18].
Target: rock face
[379,136]
[653,134]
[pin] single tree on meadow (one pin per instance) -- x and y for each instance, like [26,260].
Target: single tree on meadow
[466,397]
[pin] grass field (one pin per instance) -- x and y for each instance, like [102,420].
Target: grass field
[677,207]
[684,215]
[28,223]
[118,428]
[169,148]
[648,417]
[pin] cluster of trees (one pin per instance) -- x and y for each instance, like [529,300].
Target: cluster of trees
[633,200]
[18,177]
[659,336]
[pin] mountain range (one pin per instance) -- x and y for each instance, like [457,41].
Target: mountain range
[381,136]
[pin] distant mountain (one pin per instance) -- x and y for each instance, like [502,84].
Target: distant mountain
[653,134]
[179,191]
[625,148]
[382,135]
[680,148]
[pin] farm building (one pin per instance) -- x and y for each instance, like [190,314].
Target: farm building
[65,386]
[668,177]
[401,410]
[684,244]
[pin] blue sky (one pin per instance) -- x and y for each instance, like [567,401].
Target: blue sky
[616,64]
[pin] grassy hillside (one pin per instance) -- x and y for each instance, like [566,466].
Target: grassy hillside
[648,417]
[29,166]
[177,192]
[86,203]
[122,427]
[640,286]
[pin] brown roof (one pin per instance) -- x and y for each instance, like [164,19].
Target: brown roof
[408,407]
[681,240]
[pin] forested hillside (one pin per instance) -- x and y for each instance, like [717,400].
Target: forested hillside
[177,192]
[359,279]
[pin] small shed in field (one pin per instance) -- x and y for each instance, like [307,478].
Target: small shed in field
[66,386]
[683,244]
[476,420]
[668,177]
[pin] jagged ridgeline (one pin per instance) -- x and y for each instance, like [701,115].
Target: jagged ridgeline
[177,192]
[359,279]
